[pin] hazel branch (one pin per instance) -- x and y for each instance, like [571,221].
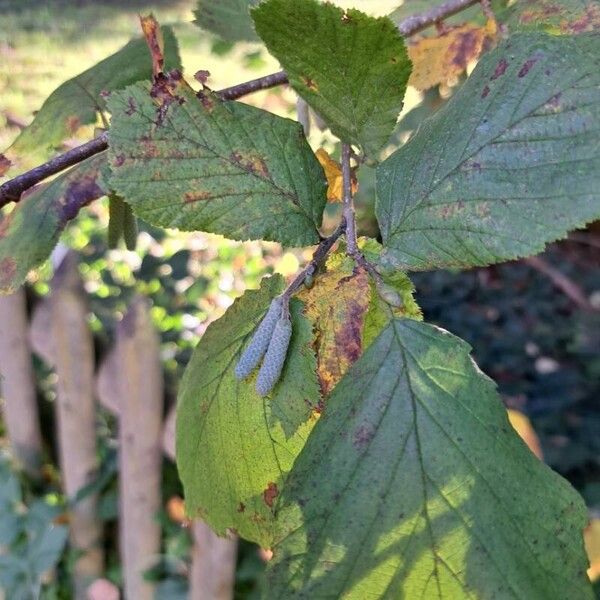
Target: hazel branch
[11,190]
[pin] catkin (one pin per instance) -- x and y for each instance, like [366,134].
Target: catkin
[272,365]
[260,341]
[130,228]
[116,213]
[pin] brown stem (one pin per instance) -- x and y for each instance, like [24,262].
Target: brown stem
[254,85]
[567,286]
[11,190]
[416,23]
[349,215]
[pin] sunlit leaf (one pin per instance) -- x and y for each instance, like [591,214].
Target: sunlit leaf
[333,172]
[221,167]
[592,546]
[31,230]
[509,164]
[522,425]
[351,68]
[413,484]
[234,448]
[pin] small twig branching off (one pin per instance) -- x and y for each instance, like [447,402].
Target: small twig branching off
[11,190]
[318,257]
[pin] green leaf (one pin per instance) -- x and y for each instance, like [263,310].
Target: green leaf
[229,19]
[234,448]
[554,16]
[220,167]
[510,163]
[413,484]
[351,68]
[78,101]
[31,230]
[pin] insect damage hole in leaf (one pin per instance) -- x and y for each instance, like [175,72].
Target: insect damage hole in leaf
[198,163]
[413,484]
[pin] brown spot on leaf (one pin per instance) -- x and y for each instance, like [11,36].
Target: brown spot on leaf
[309,83]
[196,196]
[164,91]
[5,225]
[589,21]
[450,210]
[8,269]
[337,307]
[271,492]
[119,160]
[252,163]
[527,66]
[131,106]
[442,58]
[5,164]
[207,100]
[500,68]
[363,435]
[241,507]
[73,124]
[464,48]
[485,92]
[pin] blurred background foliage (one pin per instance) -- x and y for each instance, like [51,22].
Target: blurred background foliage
[541,348]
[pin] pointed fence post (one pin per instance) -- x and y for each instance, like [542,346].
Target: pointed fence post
[60,333]
[17,384]
[130,383]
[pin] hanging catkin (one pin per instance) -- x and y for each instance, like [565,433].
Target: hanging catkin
[270,371]
[130,228]
[260,341]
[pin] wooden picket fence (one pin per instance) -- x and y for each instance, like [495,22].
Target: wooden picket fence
[128,383]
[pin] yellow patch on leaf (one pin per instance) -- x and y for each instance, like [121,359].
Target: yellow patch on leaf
[591,537]
[337,307]
[441,59]
[333,172]
[522,425]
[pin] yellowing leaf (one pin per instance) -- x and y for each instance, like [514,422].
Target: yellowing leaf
[155,42]
[522,425]
[337,307]
[333,172]
[591,536]
[443,58]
